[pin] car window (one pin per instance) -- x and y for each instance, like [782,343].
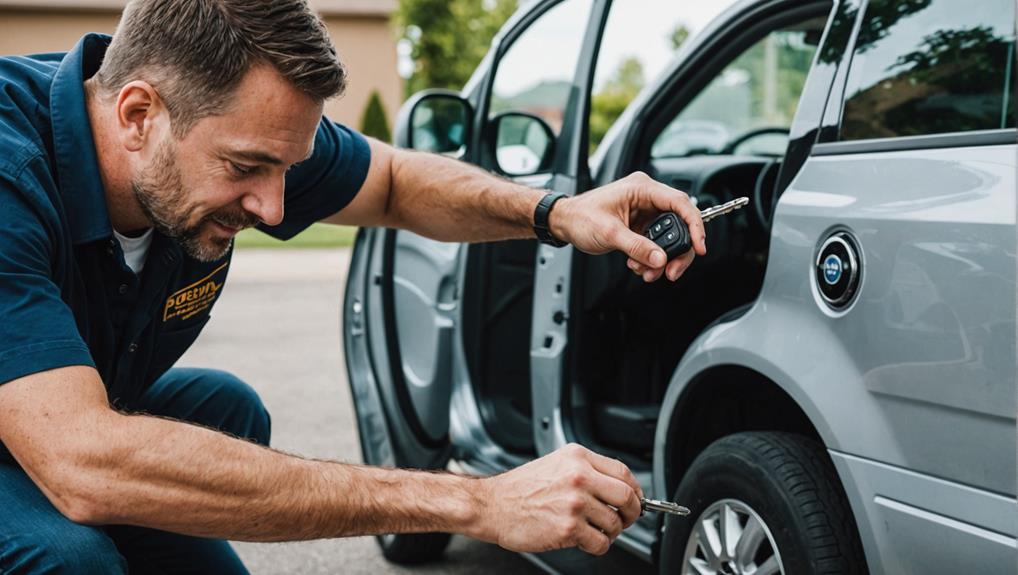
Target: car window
[624,67]
[535,75]
[748,107]
[931,67]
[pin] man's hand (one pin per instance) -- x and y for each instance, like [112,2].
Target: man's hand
[572,497]
[614,217]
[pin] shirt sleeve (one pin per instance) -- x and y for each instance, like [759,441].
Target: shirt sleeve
[38,331]
[324,183]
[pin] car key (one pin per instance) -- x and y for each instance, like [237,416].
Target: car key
[671,233]
[662,506]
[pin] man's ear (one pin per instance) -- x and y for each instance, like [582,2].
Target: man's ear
[139,111]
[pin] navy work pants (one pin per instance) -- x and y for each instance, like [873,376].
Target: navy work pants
[36,538]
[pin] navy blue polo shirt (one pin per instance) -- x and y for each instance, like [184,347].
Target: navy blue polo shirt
[67,296]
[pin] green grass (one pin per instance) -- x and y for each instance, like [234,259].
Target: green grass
[317,236]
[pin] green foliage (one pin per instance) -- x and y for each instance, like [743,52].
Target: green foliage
[678,36]
[373,121]
[448,38]
[609,102]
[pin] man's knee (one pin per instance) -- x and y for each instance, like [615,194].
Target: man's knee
[244,414]
[209,397]
[69,548]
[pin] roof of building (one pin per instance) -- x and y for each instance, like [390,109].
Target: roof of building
[362,8]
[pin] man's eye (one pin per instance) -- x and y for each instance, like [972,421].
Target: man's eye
[240,170]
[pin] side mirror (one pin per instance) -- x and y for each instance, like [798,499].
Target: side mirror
[524,143]
[435,121]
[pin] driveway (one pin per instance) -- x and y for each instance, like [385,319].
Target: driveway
[277,327]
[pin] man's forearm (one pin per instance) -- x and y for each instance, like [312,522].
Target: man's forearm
[178,477]
[453,201]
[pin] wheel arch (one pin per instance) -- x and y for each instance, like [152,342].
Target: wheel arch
[718,401]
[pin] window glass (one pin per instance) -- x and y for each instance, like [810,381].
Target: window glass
[749,106]
[624,66]
[536,74]
[931,67]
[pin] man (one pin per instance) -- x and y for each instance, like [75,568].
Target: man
[126,168]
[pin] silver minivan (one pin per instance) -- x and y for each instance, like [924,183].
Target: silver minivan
[831,389]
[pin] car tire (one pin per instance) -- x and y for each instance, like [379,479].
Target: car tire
[782,481]
[414,548]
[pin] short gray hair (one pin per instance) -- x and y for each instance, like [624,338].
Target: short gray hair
[195,52]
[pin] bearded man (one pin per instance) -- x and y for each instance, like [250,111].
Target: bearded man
[127,166]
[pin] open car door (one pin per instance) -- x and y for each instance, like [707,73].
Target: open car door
[403,310]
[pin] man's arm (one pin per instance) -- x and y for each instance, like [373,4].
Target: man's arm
[449,200]
[99,466]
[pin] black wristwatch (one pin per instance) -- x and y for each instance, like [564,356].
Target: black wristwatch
[541,212]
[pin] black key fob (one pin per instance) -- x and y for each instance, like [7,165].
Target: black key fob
[671,233]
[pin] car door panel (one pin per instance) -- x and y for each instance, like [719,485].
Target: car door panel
[404,326]
[424,303]
[936,232]
[925,390]
[399,322]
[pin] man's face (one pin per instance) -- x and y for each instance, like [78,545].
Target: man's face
[228,172]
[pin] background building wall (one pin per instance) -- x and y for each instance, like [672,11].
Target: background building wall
[360,31]
[367,47]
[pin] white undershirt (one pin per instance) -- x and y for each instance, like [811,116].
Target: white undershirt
[135,249]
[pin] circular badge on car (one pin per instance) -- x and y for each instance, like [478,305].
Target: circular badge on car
[837,270]
[832,269]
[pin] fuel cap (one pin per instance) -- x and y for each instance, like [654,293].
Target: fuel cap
[837,270]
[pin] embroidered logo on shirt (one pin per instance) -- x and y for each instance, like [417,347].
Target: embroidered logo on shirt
[194,298]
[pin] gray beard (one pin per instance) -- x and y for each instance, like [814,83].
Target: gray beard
[161,195]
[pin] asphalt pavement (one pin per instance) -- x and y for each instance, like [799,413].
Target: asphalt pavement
[277,327]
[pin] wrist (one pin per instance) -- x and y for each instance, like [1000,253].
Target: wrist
[547,220]
[557,219]
[469,517]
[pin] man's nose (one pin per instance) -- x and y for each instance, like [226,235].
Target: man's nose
[265,200]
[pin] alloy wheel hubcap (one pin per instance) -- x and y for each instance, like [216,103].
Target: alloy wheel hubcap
[730,538]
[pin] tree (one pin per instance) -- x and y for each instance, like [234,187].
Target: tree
[373,121]
[678,36]
[612,98]
[448,38]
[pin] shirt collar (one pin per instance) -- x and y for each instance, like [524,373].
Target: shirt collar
[77,163]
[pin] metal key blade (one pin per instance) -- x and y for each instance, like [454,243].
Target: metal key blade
[725,208]
[663,506]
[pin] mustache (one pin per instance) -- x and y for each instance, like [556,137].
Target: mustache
[235,218]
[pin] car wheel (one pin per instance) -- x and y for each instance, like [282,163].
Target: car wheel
[762,503]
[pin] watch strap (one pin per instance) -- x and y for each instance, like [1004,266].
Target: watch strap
[541,214]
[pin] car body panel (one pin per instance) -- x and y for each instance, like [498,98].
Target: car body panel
[916,523]
[918,374]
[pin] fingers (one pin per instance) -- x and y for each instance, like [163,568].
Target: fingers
[605,518]
[643,253]
[612,483]
[668,199]
[639,248]
[679,265]
[673,271]
[592,540]
[618,494]
[614,468]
